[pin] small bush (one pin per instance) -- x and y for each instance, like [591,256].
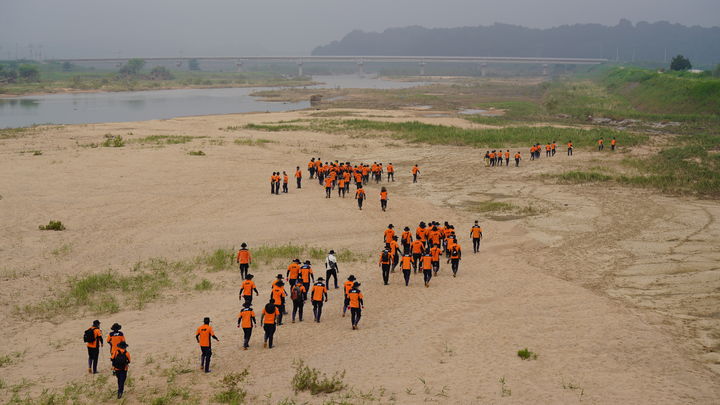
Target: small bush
[52,226]
[220,259]
[526,354]
[196,153]
[112,141]
[37,152]
[203,285]
[311,379]
[232,393]
[579,176]
[252,141]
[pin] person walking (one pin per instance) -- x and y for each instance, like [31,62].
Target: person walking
[278,295]
[306,274]
[435,253]
[286,179]
[203,336]
[331,268]
[293,272]
[613,142]
[390,172]
[418,246]
[455,257]
[384,263]
[383,199]
[406,239]
[268,319]
[244,260]
[476,234]
[298,177]
[518,156]
[601,144]
[297,295]
[346,288]
[93,339]
[426,264]
[318,296]
[246,289]
[114,338]
[415,171]
[406,264]
[569,148]
[355,302]
[120,364]
[360,197]
[246,321]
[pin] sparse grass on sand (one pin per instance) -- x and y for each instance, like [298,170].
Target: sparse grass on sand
[313,380]
[164,139]
[252,141]
[52,226]
[418,132]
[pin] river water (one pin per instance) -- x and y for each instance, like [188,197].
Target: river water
[86,108]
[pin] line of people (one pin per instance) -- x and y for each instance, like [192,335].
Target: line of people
[119,356]
[276,180]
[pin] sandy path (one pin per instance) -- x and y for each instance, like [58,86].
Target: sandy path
[595,286]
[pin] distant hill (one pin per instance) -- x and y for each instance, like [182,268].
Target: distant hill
[640,42]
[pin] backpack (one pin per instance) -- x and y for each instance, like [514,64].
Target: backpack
[385,257]
[295,293]
[120,361]
[89,335]
[454,251]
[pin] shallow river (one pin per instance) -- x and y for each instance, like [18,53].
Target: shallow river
[85,108]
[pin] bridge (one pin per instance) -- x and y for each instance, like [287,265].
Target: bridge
[360,61]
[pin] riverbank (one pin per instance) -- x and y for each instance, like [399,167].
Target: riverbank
[613,288]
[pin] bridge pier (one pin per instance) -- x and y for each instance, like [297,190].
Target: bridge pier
[422,68]
[300,68]
[360,68]
[545,69]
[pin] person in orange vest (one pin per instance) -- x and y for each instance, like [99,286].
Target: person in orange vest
[317,297]
[277,183]
[328,186]
[278,295]
[354,300]
[476,234]
[247,288]
[548,150]
[415,171]
[285,182]
[306,274]
[311,168]
[406,264]
[406,239]
[93,340]
[341,187]
[297,295]
[554,147]
[347,286]
[417,248]
[203,335]
[507,158]
[613,142]
[426,264]
[268,318]
[601,144]
[389,233]
[455,257]
[518,156]
[246,321]
[383,199]
[570,148]
[532,152]
[298,177]
[394,254]
[390,172]
[360,197]
[435,253]
[244,260]
[293,272]
[384,264]
[115,337]
[120,365]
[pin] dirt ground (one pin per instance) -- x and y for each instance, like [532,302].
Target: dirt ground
[616,289]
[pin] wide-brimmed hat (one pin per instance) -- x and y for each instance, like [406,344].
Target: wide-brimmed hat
[351,278]
[116,326]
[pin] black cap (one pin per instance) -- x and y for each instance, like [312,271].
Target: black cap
[307,261]
[122,345]
[390,226]
[206,320]
[279,276]
[96,323]
[296,260]
[243,244]
[351,278]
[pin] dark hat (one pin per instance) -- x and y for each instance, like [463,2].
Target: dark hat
[356,284]
[407,228]
[122,345]
[249,276]
[116,326]
[243,244]
[332,252]
[247,305]
[296,260]
[307,261]
[206,320]
[280,284]
[320,279]
[351,278]
[390,226]
[279,276]
[96,323]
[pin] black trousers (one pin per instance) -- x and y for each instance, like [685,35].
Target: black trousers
[383,204]
[307,288]
[328,192]
[391,176]
[414,178]
[205,355]
[385,272]
[298,306]
[317,310]
[299,182]
[355,314]
[517,162]
[406,248]
[246,339]
[121,377]
[476,245]
[406,274]
[416,258]
[455,263]
[281,310]
[436,266]
[244,268]
[360,201]
[285,187]
[395,261]
[427,275]
[331,273]
[248,298]
[292,282]
[93,354]
[569,151]
[269,333]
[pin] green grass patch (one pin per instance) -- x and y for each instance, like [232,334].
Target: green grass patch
[113,141]
[63,250]
[52,226]
[174,395]
[232,391]
[203,285]
[314,381]
[196,153]
[164,139]
[252,141]
[418,132]
[526,354]
[99,389]
[514,111]
[8,359]
[103,292]
[580,176]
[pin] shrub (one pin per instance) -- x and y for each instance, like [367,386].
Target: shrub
[196,153]
[311,379]
[526,354]
[232,393]
[112,141]
[52,226]
[203,285]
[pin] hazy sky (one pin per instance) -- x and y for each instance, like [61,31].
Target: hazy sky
[103,28]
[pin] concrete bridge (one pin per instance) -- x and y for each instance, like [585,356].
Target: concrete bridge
[360,61]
